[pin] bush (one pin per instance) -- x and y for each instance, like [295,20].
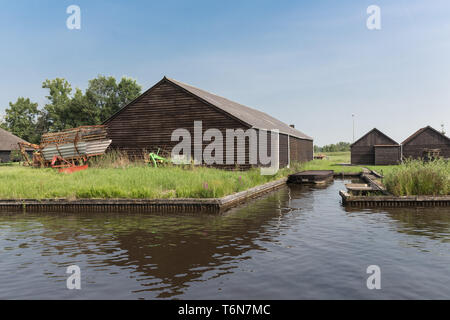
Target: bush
[415,177]
[15,156]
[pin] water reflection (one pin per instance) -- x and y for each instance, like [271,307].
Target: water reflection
[430,222]
[175,250]
[173,256]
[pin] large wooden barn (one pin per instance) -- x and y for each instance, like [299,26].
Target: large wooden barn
[148,122]
[8,144]
[424,142]
[375,148]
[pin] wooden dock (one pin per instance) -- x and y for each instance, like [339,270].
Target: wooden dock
[359,188]
[392,201]
[357,195]
[311,176]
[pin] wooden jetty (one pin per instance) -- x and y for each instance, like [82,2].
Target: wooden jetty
[311,176]
[356,195]
[392,201]
[359,188]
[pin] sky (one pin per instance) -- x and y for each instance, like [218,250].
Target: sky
[308,63]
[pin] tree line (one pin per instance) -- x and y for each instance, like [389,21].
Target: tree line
[67,108]
[337,147]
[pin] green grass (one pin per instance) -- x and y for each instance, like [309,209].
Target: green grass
[332,162]
[383,170]
[9,164]
[415,177]
[139,182]
[115,176]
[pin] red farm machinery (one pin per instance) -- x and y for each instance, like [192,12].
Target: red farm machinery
[68,150]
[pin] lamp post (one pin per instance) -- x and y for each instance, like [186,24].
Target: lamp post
[353,118]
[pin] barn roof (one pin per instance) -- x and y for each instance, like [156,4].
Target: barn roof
[255,118]
[251,117]
[378,131]
[420,131]
[8,141]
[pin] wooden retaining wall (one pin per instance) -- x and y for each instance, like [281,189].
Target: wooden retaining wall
[392,201]
[188,205]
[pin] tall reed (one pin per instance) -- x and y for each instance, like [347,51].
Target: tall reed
[415,177]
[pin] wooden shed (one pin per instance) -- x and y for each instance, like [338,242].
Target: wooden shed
[8,143]
[375,148]
[387,154]
[426,141]
[148,122]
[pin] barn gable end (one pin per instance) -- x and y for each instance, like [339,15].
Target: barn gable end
[363,150]
[416,145]
[147,123]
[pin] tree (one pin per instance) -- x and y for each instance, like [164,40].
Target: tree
[105,96]
[21,119]
[57,110]
[317,149]
[338,147]
[128,90]
[79,111]
[64,110]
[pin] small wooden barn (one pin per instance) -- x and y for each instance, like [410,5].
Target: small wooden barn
[148,122]
[8,143]
[375,148]
[424,142]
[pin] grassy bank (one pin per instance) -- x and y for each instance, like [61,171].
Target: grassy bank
[137,182]
[333,161]
[116,176]
[415,177]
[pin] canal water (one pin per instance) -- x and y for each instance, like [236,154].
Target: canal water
[296,243]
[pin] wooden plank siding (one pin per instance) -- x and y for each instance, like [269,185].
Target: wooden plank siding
[148,122]
[284,150]
[387,155]
[301,150]
[5,156]
[426,138]
[363,150]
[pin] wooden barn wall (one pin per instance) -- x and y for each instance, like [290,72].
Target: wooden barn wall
[362,155]
[363,151]
[148,124]
[301,150]
[372,139]
[426,140]
[284,150]
[5,156]
[387,155]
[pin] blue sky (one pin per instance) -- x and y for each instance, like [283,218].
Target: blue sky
[311,63]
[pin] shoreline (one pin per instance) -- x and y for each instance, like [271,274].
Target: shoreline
[205,205]
[212,205]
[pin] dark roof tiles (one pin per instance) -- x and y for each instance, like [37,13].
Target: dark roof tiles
[253,117]
[8,141]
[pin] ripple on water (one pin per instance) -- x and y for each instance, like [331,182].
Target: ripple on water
[298,242]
